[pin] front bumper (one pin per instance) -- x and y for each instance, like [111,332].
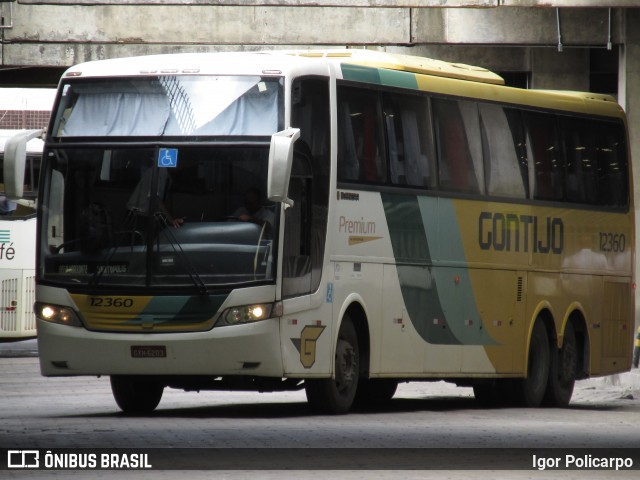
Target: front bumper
[250,349]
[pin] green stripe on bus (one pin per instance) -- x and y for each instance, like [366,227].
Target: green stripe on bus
[359,73]
[458,298]
[415,268]
[396,78]
[439,299]
[392,78]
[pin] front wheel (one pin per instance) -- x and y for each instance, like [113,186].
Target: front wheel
[336,395]
[136,395]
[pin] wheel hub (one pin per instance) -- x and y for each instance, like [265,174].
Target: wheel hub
[345,365]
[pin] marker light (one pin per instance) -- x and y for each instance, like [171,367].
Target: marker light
[56,314]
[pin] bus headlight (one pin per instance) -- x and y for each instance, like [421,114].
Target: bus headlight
[245,314]
[57,314]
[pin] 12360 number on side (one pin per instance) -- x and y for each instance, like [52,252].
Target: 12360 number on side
[612,242]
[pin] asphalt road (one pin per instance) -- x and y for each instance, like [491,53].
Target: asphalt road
[237,435]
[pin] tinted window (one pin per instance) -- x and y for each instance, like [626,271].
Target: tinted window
[577,160]
[360,136]
[504,152]
[457,135]
[546,156]
[612,168]
[479,148]
[407,124]
[581,160]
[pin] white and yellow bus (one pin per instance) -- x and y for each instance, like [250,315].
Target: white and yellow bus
[18,245]
[335,221]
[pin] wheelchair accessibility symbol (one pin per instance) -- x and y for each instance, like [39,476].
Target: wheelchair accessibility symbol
[168,157]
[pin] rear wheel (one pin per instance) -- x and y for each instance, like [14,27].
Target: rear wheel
[562,371]
[136,394]
[530,391]
[336,395]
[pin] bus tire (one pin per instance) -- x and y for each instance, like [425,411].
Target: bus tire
[563,371]
[530,391]
[374,392]
[136,395]
[336,395]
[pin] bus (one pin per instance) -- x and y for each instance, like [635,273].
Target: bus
[336,221]
[18,246]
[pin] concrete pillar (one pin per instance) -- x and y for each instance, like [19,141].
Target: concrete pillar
[630,100]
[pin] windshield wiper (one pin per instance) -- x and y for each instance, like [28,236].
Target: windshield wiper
[97,275]
[177,248]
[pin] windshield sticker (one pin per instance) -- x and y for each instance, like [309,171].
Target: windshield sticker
[168,158]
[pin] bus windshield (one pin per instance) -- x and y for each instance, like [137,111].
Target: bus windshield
[190,216]
[169,106]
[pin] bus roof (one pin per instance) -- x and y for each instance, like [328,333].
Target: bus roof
[427,74]
[221,63]
[468,81]
[408,63]
[279,60]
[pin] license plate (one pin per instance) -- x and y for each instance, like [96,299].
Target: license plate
[148,351]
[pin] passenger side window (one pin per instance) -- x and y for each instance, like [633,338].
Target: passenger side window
[610,151]
[546,164]
[361,155]
[504,152]
[408,133]
[459,146]
[581,162]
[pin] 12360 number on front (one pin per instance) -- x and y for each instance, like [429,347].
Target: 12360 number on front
[111,302]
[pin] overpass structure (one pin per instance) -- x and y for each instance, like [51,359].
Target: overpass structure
[505,35]
[558,44]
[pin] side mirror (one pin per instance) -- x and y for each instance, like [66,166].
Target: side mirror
[15,159]
[280,160]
